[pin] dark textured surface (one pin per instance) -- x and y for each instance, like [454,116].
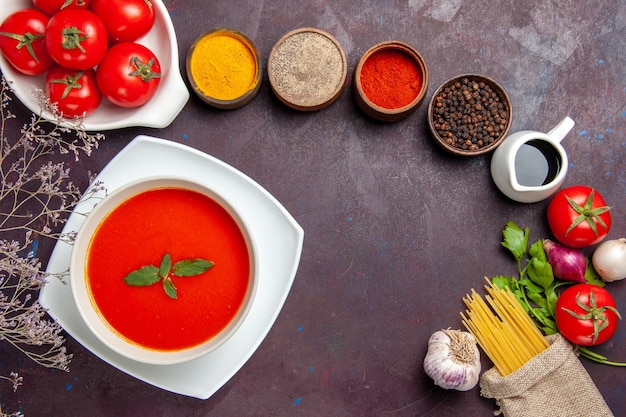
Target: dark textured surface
[396,231]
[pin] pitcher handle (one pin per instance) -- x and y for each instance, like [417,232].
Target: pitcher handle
[561,130]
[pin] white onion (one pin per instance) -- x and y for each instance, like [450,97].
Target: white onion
[609,260]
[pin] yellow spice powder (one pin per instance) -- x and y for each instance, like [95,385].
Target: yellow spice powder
[223,66]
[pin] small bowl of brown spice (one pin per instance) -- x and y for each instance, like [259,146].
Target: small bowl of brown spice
[307,69]
[469,115]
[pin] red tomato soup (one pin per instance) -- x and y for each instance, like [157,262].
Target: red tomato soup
[187,225]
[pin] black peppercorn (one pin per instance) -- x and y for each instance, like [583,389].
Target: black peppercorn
[469,114]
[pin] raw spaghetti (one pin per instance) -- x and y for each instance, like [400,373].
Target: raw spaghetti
[502,328]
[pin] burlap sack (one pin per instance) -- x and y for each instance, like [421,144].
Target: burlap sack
[552,384]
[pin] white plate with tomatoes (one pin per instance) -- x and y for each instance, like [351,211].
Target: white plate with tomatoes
[168,100]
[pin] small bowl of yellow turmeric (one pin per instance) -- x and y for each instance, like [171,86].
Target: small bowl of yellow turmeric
[224,68]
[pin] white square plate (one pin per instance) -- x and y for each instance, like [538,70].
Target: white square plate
[279,240]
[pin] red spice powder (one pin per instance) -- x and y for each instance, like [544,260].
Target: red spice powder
[390,78]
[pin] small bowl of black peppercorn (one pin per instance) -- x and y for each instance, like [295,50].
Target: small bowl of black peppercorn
[469,115]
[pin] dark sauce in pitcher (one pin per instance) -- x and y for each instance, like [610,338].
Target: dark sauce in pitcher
[537,163]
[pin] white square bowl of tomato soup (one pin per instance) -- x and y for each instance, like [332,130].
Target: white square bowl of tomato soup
[163,270]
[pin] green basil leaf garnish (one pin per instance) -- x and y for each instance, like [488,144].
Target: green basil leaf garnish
[150,274]
[191,267]
[146,275]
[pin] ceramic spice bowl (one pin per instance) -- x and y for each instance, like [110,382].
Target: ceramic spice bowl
[307,69]
[390,81]
[224,68]
[469,115]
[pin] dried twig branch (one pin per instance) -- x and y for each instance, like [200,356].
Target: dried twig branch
[36,197]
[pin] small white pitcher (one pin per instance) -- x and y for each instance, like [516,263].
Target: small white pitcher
[530,166]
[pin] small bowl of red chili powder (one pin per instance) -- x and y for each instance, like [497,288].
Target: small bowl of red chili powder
[390,81]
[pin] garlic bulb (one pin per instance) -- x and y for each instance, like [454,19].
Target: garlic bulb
[453,360]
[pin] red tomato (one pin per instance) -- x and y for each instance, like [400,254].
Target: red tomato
[22,41]
[125,20]
[51,7]
[74,91]
[586,314]
[579,217]
[129,74]
[76,39]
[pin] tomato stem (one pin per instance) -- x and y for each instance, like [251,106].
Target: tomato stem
[79,3]
[144,71]
[72,37]
[587,214]
[69,82]
[27,40]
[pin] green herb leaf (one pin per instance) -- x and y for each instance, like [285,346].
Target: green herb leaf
[538,299]
[146,275]
[502,282]
[548,330]
[166,265]
[530,286]
[191,267]
[540,272]
[537,251]
[170,288]
[150,274]
[551,297]
[515,240]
